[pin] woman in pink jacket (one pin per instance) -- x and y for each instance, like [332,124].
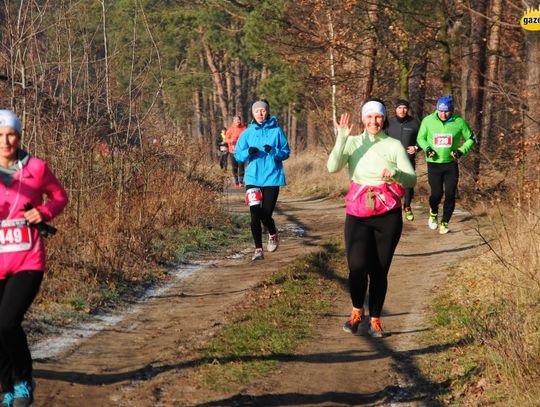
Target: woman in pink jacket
[24,181]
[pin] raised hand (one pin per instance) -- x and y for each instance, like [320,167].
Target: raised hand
[344,123]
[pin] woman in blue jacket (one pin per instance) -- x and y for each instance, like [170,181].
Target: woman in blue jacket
[265,146]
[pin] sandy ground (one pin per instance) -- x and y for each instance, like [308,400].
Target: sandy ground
[146,358]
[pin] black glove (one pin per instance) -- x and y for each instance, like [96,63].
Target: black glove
[456,154]
[267,148]
[43,229]
[253,150]
[430,153]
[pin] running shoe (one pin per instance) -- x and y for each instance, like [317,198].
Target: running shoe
[259,255]
[8,400]
[273,243]
[375,328]
[443,228]
[433,220]
[23,394]
[409,215]
[353,323]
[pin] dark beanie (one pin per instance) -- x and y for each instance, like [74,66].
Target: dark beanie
[402,102]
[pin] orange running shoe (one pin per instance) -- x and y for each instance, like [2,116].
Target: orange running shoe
[375,328]
[353,323]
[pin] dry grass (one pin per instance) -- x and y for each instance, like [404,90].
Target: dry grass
[498,294]
[307,176]
[117,231]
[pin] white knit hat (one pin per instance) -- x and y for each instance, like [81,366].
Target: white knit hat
[10,119]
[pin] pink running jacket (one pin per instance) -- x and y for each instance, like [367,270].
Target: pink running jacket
[29,185]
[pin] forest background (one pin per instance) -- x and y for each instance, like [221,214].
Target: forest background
[125,100]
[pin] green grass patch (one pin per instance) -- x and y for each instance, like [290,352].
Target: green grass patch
[454,371]
[180,245]
[449,314]
[281,314]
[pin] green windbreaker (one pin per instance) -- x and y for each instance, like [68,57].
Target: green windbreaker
[444,137]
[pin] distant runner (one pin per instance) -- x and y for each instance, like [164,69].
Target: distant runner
[223,150]
[404,128]
[231,138]
[379,168]
[265,145]
[440,136]
[24,180]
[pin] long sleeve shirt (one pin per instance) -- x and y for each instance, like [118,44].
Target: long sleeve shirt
[367,156]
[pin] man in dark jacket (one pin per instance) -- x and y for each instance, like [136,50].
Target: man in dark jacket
[405,128]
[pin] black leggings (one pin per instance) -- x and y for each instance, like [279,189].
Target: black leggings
[443,175]
[370,244]
[17,293]
[223,160]
[263,213]
[237,170]
[409,192]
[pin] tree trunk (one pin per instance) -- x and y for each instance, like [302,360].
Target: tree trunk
[293,135]
[405,70]
[446,74]
[229,86]
[404,73]
[311,140]
[417,92]
[237,77]
[216,77]
[465,60]
[475,79]
[368,61]
[197,116]
[476,67]
[492,64]
[532,115]
[332,64]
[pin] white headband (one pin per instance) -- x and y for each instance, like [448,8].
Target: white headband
[373,107]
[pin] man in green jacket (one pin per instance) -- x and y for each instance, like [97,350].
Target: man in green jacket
[444,137]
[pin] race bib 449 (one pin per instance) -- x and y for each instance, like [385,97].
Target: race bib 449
[442,140]
[15,236]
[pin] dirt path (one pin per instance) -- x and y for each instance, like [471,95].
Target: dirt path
[146,358]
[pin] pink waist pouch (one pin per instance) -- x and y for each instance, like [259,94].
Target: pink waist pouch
[368,200]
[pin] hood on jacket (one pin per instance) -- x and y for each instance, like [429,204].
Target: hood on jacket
[267,124]
[6,174]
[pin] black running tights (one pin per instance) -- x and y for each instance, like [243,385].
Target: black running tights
[370,244]
[263,213]
[443,175]
[237,169]
[17,293]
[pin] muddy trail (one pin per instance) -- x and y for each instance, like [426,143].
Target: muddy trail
[145,355]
